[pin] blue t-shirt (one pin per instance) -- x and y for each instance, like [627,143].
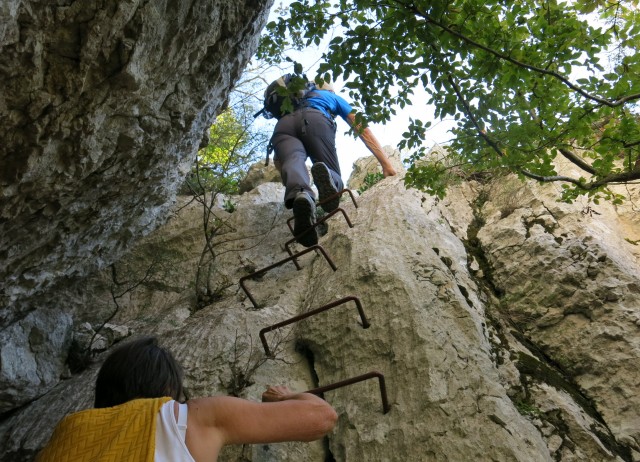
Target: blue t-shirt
[331,104]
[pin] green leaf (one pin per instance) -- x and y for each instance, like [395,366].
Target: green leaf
[522,79]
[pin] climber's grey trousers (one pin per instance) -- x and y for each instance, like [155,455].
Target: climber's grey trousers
[305,133]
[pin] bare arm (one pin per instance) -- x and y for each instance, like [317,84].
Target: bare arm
[282,416]
[373,145]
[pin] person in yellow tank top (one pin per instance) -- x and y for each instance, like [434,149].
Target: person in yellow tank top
[138,415]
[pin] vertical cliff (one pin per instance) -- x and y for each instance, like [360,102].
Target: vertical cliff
[505,324]
[103,106]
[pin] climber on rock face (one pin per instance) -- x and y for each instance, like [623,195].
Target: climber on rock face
[138,415]
[310,131]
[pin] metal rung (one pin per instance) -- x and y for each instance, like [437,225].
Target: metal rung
[260,272]
[333,212]
[322,220]
[319,222]
[342,301]
[340,193]
[369,375]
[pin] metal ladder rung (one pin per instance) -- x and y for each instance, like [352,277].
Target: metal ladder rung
[386,407]
[342,301]
[260,272]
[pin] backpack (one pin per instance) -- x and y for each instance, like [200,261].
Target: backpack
[284,95]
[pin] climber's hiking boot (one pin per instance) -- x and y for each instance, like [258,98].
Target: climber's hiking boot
[326,187]
[304,211]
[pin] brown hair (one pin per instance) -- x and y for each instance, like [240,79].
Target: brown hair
[138,369]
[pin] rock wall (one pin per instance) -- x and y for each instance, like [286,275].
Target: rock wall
[497,316]
[568,276]
[103,106]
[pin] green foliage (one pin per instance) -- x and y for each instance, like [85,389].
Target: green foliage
[369,180]
[526,81]
[226,136]
[231,150]
[234,145]
[225,157]
[528,409]
[229,205]
[432,171]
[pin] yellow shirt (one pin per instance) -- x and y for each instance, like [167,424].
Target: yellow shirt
[113,434]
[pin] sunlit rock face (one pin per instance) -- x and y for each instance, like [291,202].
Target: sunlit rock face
[496,315]
[103,106]
[505,324]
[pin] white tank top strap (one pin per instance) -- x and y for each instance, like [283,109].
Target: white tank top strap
[183,409]
[170,434]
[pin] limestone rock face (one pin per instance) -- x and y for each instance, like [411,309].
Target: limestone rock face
[571,278]
[505,324]
[259,173]
[30,355]
[103,106]
[370,166]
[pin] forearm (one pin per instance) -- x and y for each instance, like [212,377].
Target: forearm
[372,143]
[282,393]
[320,415]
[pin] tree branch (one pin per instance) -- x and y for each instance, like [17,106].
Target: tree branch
[467,110]
[567,82]
[548,179]
[574,159]
[618,178]
[610,179]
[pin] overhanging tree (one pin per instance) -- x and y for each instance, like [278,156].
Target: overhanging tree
[527,81]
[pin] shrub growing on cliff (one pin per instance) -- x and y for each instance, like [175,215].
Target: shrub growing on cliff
[526,81]
[370,179]
[233,146]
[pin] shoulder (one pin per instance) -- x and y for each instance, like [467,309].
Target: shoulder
[344,108]
[330,95]
[339,105]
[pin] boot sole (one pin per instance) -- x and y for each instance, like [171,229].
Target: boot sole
[303,230]
[323,181]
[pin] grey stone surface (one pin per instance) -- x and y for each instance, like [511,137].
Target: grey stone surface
[460,295]
[506,324]
[33,356]
[369,166]
[103,106]
[570,278]
[259,173]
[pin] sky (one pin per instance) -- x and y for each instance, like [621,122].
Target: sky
[389,134]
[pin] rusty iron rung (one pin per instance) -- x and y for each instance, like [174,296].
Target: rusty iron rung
[323,219]
[291,254]
[340,193]
[386,407]
[353,199]
[342,301]
[260,272]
